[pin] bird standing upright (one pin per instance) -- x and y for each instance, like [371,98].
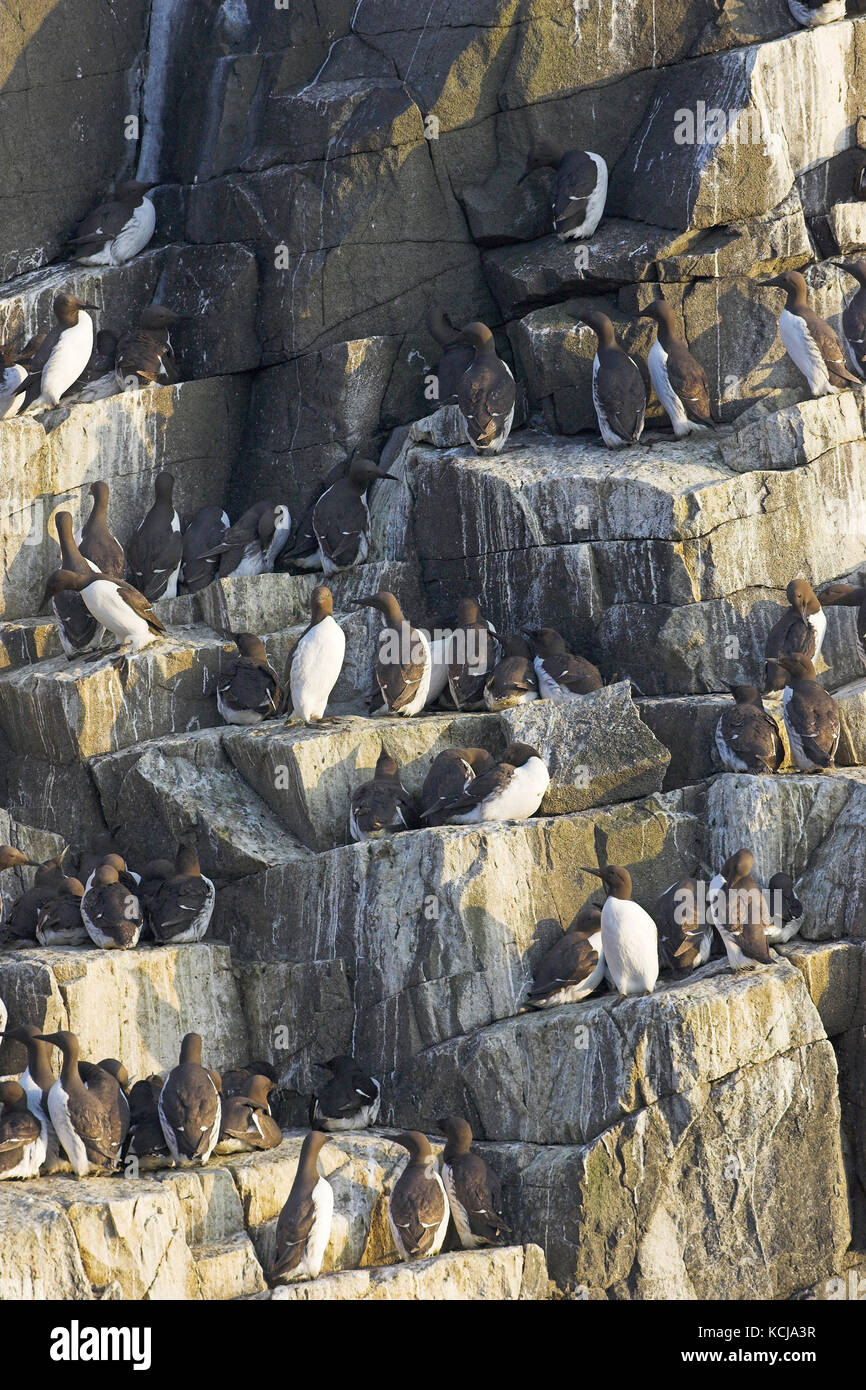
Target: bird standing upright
[629,937]
[679,379]
[418,1205]
[809,340]
[618,392]
[486,393]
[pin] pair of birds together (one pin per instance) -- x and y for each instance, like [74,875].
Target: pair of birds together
[86,1117]
[71,364]
[464,786]
[108,904]
[626,944]
[420,1203]
[747,736]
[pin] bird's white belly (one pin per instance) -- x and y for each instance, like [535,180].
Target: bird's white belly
[320,1232]
[521,798]
[73,1145]
[106,605]
[657,361]
[316,668]
[818,624]
[439,668]
[594,203]
[730,761]
[68,360]
[630,943]
[458,1211]
[135,235]
[805,353]
[238,716]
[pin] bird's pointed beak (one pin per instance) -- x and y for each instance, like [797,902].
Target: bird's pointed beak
[584,868]
[524,176]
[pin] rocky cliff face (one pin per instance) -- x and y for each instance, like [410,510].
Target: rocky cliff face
[323,181]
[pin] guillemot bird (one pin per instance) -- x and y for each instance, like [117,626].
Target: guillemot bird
[811,716]
[111,913]
[84,1117]
[246,1123]
[618,392]
[248,690]
[21,922]
[63,355]
[799,632]
[849,596]
[811,13]
[456,355]
[146,1141]
[60,922]
[36,1081]
[573,968]
[486,393]
[471,651]
[118,229]
[381,806]
[102,845]
[629,938]
[418,1208]
[339,522]
[114,604]
[108,1081]
[180,908]
[12,858]
[189,1107]
[304,1224]
[144,355]
[76,625]
[747,737]
[155,551]
[784,908]
[739,912]
[450,774]
[809,340]
[679,379]
[125,875]
[23,1140]
[317,659]
[96,541]
[403,660]
[561,675]
[252,544]
[199,564]
[685,937]
[579,189]
[350,1100]
[513,681]
[513,789]
[15,360]
[854,316]
[473,1190]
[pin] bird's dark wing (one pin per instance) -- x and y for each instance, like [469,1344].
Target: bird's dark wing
[830,348]
[571,190]
[250,686]
[140,606]
[689,380]
[101,225]
[17,1128]
[480,1193]
[417,1209]
[622,396]
[568,961]
[293,1229]
[339,521]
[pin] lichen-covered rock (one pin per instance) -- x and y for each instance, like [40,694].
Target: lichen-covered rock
[136,1005]
[682,1200]
[565,1075]
[471,910]
[511,1272]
